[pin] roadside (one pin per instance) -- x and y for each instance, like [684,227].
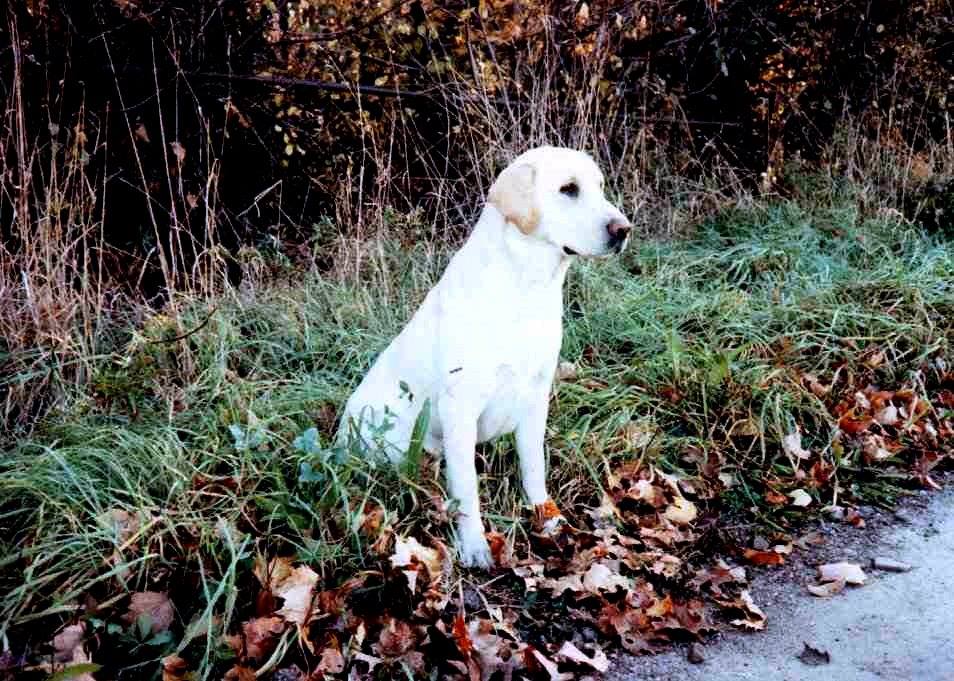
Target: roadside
[898,626]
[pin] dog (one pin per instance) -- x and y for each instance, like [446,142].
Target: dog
[482,349]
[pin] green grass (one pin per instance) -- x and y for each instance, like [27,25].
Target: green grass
[686,351]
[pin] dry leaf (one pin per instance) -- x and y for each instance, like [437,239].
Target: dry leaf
[261,636]
[754,617]
[792,446]
[681,511]
[156,605]
[827,589]
[599,661]
[295,585]
[851,573]
[600,578]
[67,641]
[551,667]
[239,673]
[763,557]
[332,661]
[179,152]
[142,133]
[800,497]
[174,668]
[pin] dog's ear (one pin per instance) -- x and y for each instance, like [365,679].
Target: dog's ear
[512,195]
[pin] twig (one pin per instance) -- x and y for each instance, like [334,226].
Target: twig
[434,92]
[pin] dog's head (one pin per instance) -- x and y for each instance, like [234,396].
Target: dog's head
[556,195]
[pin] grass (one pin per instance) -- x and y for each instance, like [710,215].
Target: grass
[688,353]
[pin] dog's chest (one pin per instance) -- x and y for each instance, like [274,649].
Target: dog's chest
[523,374]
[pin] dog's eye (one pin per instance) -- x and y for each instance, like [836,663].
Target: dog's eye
[571,189]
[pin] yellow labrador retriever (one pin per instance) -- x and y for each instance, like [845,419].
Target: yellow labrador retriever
[483,347]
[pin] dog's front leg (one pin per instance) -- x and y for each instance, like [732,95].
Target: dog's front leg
[530,437]
[460,439]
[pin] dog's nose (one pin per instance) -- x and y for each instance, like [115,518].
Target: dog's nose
[618,232]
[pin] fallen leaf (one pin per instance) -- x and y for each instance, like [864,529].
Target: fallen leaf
[261,636]
[410,554]
[598,661]
[792,446]
[813,538]
[888,416]
[179,152]
[600,578]
[154,604]
[142,133]
[754,617]
[827,589]
[851,573]
[814,656]
[875,449]
[853,425]
[67,641]
[174,668]
[239,673]
[800,497]
[763,557]
[551,667]
[332,661]
[681,511]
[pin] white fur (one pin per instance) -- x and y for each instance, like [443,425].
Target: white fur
[484,344]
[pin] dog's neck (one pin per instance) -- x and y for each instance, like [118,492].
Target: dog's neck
[535,263]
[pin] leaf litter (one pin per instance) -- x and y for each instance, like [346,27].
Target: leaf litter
[632,572]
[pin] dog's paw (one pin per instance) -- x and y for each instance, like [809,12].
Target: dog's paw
[548,519]
[475,552]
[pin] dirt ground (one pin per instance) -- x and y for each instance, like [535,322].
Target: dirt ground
[898,626]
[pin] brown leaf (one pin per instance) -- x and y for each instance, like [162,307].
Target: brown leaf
[598,661]
[156,605]
[239,673]
[411,555]
[69,640]
[757,557]
[550,667]
[395,639]
[851,573]
[295,585]
[753,618]
[261,636]
[179,151]
[853,425]
[142,133]
[332,661]
[174,668]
